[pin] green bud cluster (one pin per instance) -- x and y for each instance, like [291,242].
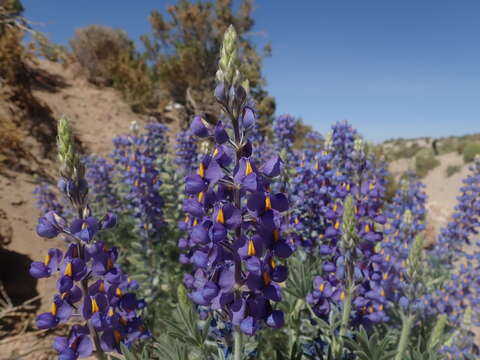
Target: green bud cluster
[227,67]
[414,261]
[349,226]
[407,217]
[359,145]
[70,165]
[437,332]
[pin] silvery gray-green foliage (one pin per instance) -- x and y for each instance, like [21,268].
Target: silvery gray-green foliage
[184,333]
[375,346]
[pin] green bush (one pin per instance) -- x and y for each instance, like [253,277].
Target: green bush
[452,169]
[470,151]
[424,162]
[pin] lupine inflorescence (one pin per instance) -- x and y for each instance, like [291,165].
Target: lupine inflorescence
[92,289]
[234,221]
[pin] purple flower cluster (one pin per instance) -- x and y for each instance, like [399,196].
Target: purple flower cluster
[100,177]
[91,288]
[47,199]
[136,158]
[406,217]
[465,221]
[337,173]
[234,223]
[186,155]
[284,132]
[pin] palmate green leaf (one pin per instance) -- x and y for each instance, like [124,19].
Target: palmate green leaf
[373,347]
[302,269]
[171,349]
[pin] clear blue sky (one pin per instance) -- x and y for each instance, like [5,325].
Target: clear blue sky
[393,68]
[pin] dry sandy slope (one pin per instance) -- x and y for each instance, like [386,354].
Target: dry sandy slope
[97,115]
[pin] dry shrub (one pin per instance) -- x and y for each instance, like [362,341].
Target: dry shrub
[133,78]
[109,58]
[12,55]
[424,162]
[96,49]
[11,140]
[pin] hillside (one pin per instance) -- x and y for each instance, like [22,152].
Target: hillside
[97,115]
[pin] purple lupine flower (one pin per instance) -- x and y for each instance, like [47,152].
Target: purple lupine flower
[90,285]
[47,199]
[186,155]
[234,222]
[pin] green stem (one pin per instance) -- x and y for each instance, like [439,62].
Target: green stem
[347,307]
[237,346]
[403,344]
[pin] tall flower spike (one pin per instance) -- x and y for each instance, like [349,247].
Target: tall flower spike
[91,286]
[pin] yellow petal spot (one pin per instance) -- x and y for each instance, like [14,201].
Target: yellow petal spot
[64,295]
[317,166]
[101,287]
[53,309]
[371,186]
[380,308]
[201,196]
[348,187]
[118,292]
[251,248]
[47,259]
[334,207]
[135,183]
[367,228]
[201,170]
[370,309]
[266,278]
[388,257]
[220,217]
[268,203]
[95,307]
[296,221]
[337,225]
[195,222]
[321,287]
[382,293]
[248,168]
[84,226]
[68,270]
[117,335]
[110,312]
[215,152]
[385,276]
[405,245]
[342,295]
[273,264]
[186,219]
[276,235]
